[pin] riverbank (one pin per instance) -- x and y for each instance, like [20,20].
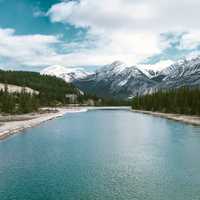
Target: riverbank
[194,120]
[11,124]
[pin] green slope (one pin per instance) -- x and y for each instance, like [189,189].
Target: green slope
[50,88]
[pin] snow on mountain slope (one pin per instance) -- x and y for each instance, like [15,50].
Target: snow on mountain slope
[119,70]
[110,71]
[151,70]
[68,74]
[148,72]
[121,81]
[116,80]
[182,68]
[185,72]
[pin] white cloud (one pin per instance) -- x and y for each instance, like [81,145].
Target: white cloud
[38,13]
[129,29]
[114,43]
[31,50]
[101,14]
[190,40]
[41,51]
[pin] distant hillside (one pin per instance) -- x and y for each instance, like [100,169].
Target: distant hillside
[50,88]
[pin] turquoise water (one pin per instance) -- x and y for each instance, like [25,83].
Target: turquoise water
[102,155]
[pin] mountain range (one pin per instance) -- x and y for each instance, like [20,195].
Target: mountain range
[117,80]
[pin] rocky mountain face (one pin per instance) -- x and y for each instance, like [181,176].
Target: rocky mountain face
[183,73]
[118,80]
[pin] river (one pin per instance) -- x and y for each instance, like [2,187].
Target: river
[102,155]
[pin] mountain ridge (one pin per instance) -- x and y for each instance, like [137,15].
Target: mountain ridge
[118,80]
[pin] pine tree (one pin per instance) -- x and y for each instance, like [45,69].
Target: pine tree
[183,101]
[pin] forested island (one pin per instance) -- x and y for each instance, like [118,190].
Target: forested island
[179,101]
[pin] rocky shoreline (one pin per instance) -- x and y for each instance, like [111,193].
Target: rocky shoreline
[193,120]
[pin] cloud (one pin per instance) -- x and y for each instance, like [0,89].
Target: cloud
[108,14]
[127,30]
[26,50]
[38,13]
[140,15]
[190,40]
[131,30]
[112,26]
[36,51]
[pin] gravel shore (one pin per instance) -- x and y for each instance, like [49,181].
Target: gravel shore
[194,120]
[12,124]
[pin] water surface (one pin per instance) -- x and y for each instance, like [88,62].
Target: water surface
[102,155]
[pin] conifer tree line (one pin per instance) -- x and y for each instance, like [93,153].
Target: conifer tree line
[181,101]
[52,90]
[18,102]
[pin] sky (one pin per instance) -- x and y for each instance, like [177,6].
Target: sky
[35,34]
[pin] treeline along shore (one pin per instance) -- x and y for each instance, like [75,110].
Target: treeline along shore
[178,101]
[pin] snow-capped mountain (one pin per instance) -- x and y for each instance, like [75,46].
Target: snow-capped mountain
[121,81]
[183,73]
[182,68]
[116,80]
[68,74]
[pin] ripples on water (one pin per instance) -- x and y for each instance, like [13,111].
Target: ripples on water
[102,155]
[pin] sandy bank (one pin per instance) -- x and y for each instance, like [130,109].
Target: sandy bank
[10,125]
[194,120]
